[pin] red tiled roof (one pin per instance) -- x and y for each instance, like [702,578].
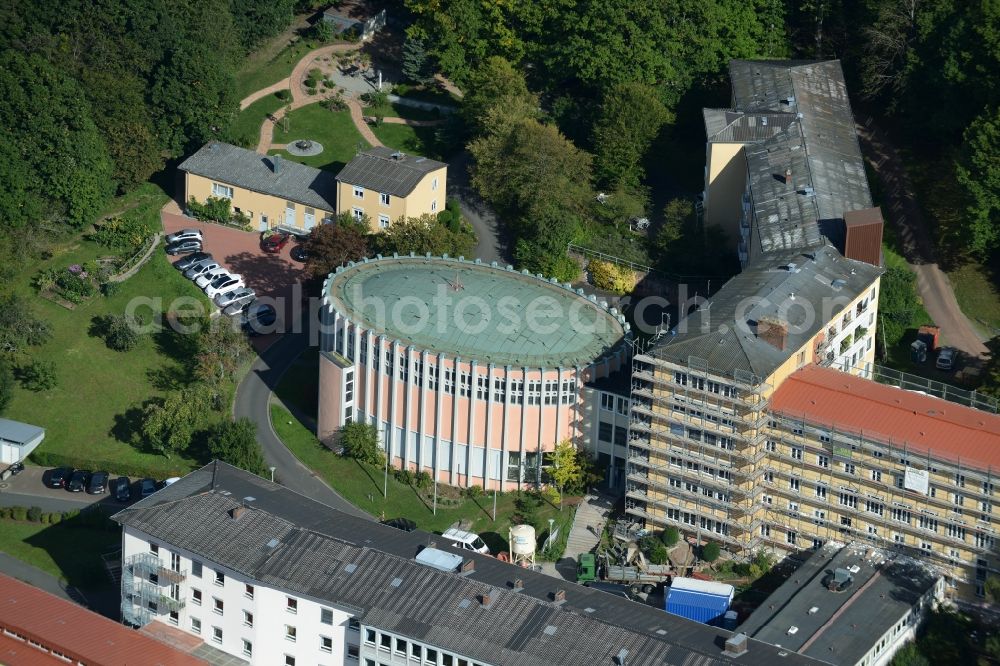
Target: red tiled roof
[14,652]
[921,423]
[77,632]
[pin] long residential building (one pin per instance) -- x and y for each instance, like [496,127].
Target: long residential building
[272,577]
[753,422]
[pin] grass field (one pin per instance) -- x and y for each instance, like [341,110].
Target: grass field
[92,411]
[978,297]
[245,130]
[263,67]
[68,551]
[333,129]
[412,140]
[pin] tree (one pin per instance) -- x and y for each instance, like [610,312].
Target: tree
[19,327]
[909,655]
[6,384]
[121,332]
[563,466]
[256,20]
[39,375]
[416,66]
[670,537]
[497,85]
[235,442]
[710,552]
[422,235]
[169,424]
[631,117]
[333,245]
[222,350]
[360,441]
[992,586]
[978,172]
[897,304]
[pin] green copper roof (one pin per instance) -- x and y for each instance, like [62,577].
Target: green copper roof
[475,311]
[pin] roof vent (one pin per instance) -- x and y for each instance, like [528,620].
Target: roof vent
[518,584]
[621,657]
[398,155]
[468,566]
[550,630]
[236,512]
[351,568]
[737,645]
[763,121]
[792,630]
[396,582]
[272,543]
[814,610]
[559,596]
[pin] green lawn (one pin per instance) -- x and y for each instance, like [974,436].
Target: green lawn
[362,485]
[412,140]
[432,93]
[91,413]
[412,112]
[245,130]
[263,68]
[978,296]
[69,551]
[333,129]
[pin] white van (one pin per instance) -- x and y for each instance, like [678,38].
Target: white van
[466,540]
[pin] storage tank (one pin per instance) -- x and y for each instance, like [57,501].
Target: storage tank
[522,545]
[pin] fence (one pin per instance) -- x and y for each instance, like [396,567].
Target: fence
[137,260]
[910,382]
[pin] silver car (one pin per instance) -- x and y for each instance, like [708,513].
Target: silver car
[201,267]
[243,294]
[183,235]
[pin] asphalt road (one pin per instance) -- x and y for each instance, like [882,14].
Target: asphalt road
[253,401]
[475,210]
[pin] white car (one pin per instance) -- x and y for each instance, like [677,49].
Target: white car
[243,294]
[207,277]
[201,267]
[223,284]
[183,235]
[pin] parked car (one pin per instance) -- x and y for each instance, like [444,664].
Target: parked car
[16,468]
[404,524]
[299,253]
[183,235]
[259,318]
[121,488]
[275,242]
[207,277]
[245,294]
[98,483]
[201,267]
[78,482]
[183,247]
[466,540]
[223,284]
[238,307]
[147,487]
[187,262]
[946,358]
[59,477]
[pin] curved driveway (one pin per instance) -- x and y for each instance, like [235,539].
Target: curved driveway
[253,398]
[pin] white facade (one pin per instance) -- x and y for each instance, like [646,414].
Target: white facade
[605,433]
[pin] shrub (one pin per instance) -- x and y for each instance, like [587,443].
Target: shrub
[670,537]
[109,289]
[284,95]
[121,332]
[658,553]
[215,209]
[45,279]
[611,277]
[4,513]
[422,480]
[35,514]
[335,103]
[360,441]
[126,234]
[19,513]
[404,476]
[710,552]
[39,375]
[55,517]
[473,492]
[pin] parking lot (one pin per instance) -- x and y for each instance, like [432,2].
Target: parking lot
[29,489]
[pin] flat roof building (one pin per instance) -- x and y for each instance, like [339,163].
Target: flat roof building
[853,605]
[274,577]
[18,440]
[471,372]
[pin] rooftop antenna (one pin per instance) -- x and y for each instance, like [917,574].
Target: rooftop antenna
[456,284]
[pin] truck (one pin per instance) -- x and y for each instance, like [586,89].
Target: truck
[638,577]
[930,336]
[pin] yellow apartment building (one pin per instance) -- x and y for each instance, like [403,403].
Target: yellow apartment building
[273,192]
[386,185]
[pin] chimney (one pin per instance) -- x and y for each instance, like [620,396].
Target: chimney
[788,176]
[737,645]
[236,512]
[468,566]
[518,584]
[276,164]
[773,332]
[486,599]
[863,235]
[559,596]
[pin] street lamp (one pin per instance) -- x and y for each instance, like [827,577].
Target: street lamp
[272,474]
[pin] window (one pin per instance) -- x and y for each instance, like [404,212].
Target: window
[431,655]
[247,618]
[927,523]
[290,633]
[195,625]
[369,636]
[848,468]
[434,185]
[956,532]
[960,480]
[901,515]
[196,596]
[793,484]
[217,634]
[607,402]
[415,651]
[220,190]
[434,205]
[352,624]
[217,605]
[325,644]
[822,461]
[796,453]
[765,530]
[326,616]
[926,546]
[248,591]
[384,199]
[872,506]
[623,406]
[196,568]
[247,648]
[793,507]
[353,652]
[848,500]
[824,438]
[383,221]
[154,549]
[821,492]
[604,431]
[771,445]
[959,499]
[400,646]
[876,476]
[174,618]
[220,578]
[358,214]
[872,530]
[791,537]
[359,192]
[289,660]
[292,605]
[845,521]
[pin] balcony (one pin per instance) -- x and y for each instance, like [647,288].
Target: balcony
[145,564]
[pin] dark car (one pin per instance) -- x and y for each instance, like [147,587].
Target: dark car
[404,524]
[259,319]
[78,482]
[98,483]
[147,487]
[187,262]
[183,247]
[300,253]
[59,477]
[275,242]
[120,487]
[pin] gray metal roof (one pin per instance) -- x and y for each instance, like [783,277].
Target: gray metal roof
[725,126]
[19,433]
[244,168]
[388,171]
[881,594]
[317,544]
[722,332]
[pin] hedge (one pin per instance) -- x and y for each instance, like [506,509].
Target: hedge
[611,277]
[94,517]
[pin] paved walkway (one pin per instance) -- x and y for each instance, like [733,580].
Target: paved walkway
[591,514]
[283,84]
[43,580]
[904,212]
